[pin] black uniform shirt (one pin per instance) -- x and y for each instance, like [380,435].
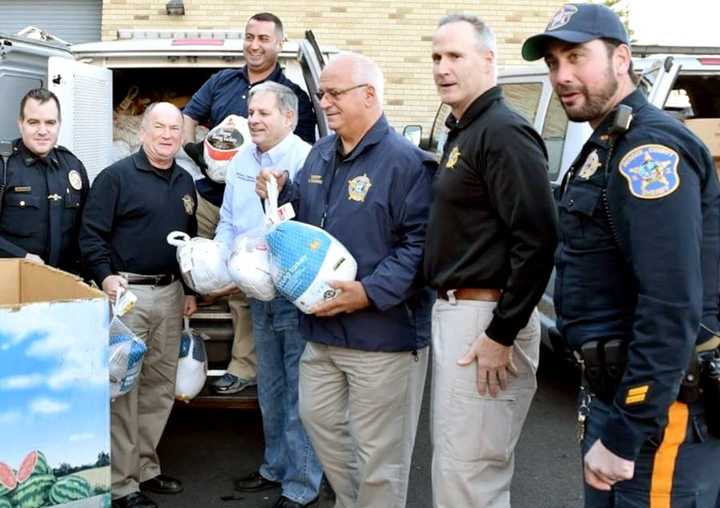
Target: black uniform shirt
[129,213]
[42,206]
[493,221]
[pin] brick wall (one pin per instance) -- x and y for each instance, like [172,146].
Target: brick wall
[395,33]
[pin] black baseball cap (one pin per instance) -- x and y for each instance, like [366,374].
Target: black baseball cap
[576,24]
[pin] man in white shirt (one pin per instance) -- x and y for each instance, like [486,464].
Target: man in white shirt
[290,461]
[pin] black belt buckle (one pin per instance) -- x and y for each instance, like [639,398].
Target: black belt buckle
[151,280]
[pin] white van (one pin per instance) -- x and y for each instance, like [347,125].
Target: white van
[685,85]
[93,80]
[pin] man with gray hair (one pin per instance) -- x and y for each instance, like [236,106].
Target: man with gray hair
[363,370]
[132,206]
[290,461]
[489,251]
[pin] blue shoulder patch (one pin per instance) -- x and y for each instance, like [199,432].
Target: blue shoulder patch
[651,171]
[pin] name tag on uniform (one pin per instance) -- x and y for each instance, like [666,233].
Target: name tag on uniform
[315,179]
[23,189]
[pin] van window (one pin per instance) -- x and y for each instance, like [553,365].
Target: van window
[523,98]
[12,89]
[695,96]
[553,133]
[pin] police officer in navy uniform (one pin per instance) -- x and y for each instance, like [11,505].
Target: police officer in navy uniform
[45,189]
[637,270]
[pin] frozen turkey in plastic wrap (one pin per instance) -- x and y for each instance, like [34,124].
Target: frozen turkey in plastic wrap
[126,351]
[304,258]
[222,143]
[249,267]
[192,365]
[203,263]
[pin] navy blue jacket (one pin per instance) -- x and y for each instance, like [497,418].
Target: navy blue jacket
[224,94]
[41,209]
[638,260]
[375,202]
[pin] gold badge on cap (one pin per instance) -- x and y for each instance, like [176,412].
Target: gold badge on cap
[75,179]
[453,158]
[591,165]
[358,188]
[189,204]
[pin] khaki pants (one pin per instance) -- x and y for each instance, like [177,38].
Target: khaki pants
[474,436]
[243,362]
[361,412]
[138,418]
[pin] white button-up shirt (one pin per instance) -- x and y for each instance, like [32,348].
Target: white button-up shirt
[241,210]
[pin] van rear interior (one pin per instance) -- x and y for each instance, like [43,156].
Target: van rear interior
[176,85]
[702,92]
[134,89]
[700,108]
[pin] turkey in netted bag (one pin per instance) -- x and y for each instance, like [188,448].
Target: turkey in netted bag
[203,263]
[249,267]
[222,143]
[303,258]
[192,364]
[127,351]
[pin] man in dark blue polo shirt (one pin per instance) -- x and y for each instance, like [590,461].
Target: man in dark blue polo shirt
[224,94]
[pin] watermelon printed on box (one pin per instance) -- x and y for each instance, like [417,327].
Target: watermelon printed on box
[54,400]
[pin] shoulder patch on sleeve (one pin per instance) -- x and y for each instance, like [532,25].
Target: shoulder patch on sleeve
[651,171]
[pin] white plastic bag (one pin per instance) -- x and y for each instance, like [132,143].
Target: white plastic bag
[192,365]
[303,258]
[222,143]
[127,351]
[203,263]
[249,267]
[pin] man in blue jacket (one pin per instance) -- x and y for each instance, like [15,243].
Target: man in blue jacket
[363,369]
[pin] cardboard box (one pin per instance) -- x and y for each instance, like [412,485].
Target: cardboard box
[708,130]
[54,389]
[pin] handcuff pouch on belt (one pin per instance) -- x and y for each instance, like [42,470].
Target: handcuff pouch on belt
[604,364]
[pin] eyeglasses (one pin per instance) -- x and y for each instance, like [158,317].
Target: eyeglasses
[335,94]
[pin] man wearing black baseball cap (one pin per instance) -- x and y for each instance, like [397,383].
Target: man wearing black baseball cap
[636,293]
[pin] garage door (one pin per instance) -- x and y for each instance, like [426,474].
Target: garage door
[72,20]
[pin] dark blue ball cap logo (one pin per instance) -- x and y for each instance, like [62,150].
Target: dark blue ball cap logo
[561,17]
[576,24]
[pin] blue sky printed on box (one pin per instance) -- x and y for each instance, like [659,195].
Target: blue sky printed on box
[54,390]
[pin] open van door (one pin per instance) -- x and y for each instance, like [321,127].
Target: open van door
[658,80]
[312,62]
[85,92]
[23,66]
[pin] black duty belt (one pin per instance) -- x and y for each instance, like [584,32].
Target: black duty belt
[149,280]
[604,362]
